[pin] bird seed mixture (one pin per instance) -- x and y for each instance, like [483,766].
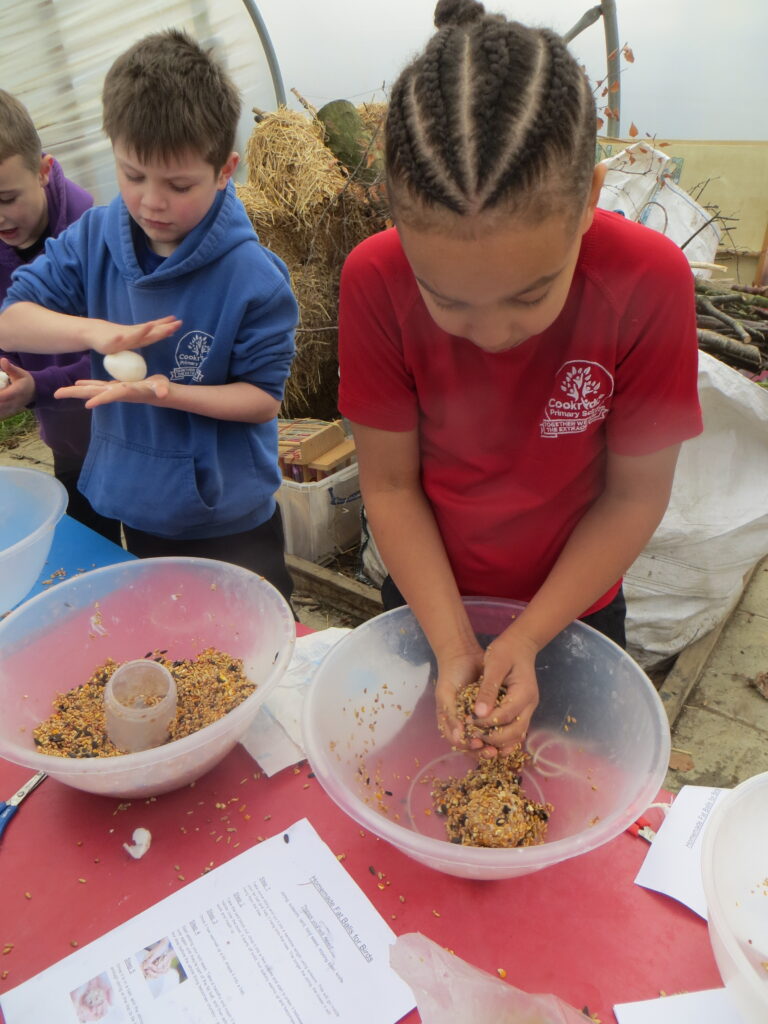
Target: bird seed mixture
[488,806]
[208,687]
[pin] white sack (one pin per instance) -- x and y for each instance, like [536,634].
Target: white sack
[715,530]
[638,183]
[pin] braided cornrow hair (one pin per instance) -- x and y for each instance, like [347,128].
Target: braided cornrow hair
[489,113]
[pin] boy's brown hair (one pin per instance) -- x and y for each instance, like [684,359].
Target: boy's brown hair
[18,135]
[166,96]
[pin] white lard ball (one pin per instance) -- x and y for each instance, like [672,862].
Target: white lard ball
[5,380]
[125,366]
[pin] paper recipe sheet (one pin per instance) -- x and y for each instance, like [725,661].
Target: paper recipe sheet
[279,933]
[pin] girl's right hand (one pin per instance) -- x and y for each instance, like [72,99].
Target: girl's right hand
[453,674]
[106,337]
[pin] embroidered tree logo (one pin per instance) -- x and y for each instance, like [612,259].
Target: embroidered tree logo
[198,346]
[579,384]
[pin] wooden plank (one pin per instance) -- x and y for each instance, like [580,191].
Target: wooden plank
[686,672]
[334,457]
[355,599]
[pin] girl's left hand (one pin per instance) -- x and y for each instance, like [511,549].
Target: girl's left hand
[149,391]
[509,659]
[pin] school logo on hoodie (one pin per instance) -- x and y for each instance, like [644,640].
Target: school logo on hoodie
[190,352]
[579,398]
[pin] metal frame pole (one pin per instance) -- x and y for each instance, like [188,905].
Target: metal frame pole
[269,51]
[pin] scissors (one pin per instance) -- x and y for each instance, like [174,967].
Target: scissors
[643,829]
[9,807]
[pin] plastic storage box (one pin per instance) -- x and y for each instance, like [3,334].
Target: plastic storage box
[321,518]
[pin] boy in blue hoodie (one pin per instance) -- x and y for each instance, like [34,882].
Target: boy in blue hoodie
[187,457]
[37,202]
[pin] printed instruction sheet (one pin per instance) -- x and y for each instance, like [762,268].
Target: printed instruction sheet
[673,863]
[279,933]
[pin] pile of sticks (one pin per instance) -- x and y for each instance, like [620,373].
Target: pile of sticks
[732,323]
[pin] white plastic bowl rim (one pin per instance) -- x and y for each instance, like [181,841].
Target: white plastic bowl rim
[427,848]
[715,908]
[61,767]
[53,517]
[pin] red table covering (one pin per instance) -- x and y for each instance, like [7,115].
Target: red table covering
[581,930]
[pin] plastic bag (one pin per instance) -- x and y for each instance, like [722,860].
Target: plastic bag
[370,567]
[691,573]
[449,991]
[639,184]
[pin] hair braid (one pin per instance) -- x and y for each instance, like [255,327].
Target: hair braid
[488,113]
[438,91]
[415,160]
[553,135]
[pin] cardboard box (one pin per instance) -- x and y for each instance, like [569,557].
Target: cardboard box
[299,442]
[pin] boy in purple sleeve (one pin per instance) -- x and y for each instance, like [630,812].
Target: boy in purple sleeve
[37,202]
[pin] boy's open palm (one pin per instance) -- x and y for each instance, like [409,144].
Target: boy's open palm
[106,337]
[150,391]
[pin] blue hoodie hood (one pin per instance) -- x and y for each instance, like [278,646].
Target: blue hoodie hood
[170,473]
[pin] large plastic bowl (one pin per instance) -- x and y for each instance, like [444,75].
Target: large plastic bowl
[599,739]
[734,869]
[54,642]
[31,504]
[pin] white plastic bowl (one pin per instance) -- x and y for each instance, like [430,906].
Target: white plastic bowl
[54,642]
[734,869]
[31,505]
[600,740]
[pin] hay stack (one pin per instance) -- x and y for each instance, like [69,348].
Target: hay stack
[305,208]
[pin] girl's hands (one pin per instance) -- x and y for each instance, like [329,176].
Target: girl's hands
[106,337]
[150,391]
[509,659]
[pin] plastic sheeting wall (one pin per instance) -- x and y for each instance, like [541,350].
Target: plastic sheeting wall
[55,53]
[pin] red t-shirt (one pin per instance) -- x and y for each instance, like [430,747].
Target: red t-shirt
[513,443]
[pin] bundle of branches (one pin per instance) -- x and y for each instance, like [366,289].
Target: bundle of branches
[308,207]
[732,323]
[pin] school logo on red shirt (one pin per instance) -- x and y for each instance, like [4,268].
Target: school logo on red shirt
[579,398]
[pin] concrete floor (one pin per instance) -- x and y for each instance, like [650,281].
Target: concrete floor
[719,722]
[722,721]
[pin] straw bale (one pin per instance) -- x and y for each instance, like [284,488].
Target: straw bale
[290,164]
[372,115]
[305,208]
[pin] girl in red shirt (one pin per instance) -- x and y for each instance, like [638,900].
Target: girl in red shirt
[519,367]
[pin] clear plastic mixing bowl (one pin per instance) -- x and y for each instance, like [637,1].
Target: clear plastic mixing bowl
[599,740]
[56,640]
[734,869]
[31,505]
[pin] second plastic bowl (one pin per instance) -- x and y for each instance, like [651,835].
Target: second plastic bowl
[31,504]
[734,868]
[56,640]
[599,739]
